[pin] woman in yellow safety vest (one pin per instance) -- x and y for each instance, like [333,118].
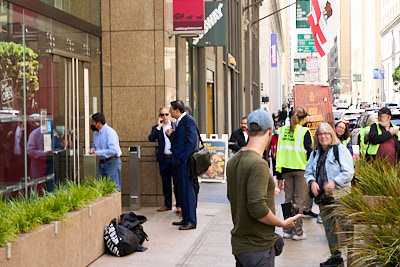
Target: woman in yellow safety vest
[294,148]
[343,134]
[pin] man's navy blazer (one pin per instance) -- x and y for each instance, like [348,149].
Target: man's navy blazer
[181,149]
[159,136]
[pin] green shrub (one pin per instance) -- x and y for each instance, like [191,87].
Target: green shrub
[375,204]
[25,214]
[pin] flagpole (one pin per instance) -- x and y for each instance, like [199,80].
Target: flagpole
[256,21]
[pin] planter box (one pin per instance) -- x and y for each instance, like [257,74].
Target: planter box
[76,242]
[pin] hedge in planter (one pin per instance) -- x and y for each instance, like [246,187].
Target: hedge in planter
[20,215]
[374,206]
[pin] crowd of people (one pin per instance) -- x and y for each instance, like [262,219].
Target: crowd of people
[309,169]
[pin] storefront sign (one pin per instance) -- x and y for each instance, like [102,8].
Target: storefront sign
[6,91]
[302,10]
[214,26]
[274,51]
[188,16]
[218,149]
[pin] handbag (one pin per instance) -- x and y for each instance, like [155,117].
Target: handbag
[278,246]
[199,161]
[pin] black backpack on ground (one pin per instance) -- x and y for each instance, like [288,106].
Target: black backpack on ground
[125,237]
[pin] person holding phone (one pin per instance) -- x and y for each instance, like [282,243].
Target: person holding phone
[164,158]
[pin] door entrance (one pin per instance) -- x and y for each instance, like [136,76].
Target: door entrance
[71,123]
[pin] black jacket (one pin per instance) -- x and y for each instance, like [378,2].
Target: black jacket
[374,138]
[237,140]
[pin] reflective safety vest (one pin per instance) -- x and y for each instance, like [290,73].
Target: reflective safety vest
[291,153]
[345,142]
[363,144]
[373,149]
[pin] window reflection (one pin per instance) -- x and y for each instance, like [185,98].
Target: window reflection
[36,149]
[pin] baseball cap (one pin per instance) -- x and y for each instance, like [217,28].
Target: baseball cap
[385,110]
[260,117]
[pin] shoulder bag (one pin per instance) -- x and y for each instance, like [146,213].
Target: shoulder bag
[199,161]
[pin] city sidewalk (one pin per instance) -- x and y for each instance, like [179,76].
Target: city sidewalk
[209,244]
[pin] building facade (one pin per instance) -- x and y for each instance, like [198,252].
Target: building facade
[390,43]
[119,58]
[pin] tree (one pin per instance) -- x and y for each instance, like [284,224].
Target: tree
[396,79]
[11,67]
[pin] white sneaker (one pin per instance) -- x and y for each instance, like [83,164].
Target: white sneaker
[319,219]
[299,237]
[286,235]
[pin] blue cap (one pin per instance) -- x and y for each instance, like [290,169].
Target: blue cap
[260,117]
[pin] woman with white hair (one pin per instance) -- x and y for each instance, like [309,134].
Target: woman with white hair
[329,170]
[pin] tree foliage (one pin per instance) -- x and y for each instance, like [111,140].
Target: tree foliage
[11,67]
[396,79]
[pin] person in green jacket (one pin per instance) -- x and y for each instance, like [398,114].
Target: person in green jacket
[294,148]
[384,138]
[343,134]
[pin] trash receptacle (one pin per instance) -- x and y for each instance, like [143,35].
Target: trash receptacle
[134,177]
[91,166]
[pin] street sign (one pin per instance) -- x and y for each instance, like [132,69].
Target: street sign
[305,43]
[356,77]
[302,10]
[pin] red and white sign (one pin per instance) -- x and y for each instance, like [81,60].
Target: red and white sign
[312,69]
[188,16]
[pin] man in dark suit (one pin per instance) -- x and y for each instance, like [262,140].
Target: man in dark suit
[239,137]
[164,158]
[184,143]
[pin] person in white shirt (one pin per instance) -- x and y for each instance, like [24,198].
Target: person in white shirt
[164,158]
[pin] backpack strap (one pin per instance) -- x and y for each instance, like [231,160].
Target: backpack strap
[336,153]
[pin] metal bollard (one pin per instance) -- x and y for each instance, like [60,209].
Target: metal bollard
[134,177]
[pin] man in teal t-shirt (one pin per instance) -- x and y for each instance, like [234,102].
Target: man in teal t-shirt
[251,192]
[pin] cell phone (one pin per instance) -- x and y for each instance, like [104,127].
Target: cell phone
[288,210]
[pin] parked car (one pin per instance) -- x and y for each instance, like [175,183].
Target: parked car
[389,104]
[395,119]
[351,116]
[342,104]
[337,115]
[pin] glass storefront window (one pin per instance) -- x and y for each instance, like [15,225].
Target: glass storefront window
[88,10]
[46,90]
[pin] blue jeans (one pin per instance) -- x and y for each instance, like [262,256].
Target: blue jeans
[112,169]
[265,258]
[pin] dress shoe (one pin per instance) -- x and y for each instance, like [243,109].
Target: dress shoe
[164,208]
[179,223]
[187,226]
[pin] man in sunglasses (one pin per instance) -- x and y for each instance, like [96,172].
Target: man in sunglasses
[164,158]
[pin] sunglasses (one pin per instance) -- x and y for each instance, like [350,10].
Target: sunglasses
[162,114]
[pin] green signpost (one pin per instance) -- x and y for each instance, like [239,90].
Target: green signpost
[305,43]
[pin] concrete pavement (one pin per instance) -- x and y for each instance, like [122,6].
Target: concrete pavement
[209,244]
